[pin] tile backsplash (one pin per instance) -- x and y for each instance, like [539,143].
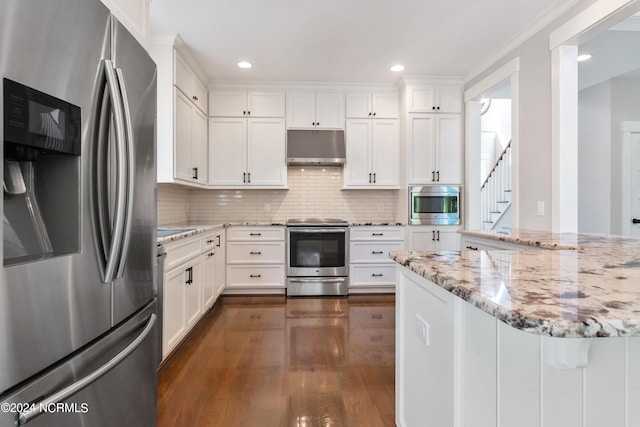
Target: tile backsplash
[313,192]
[173,204]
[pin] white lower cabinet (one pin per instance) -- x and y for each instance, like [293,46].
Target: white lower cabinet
[255,260]
[433,238]
[194,277]
[370,268]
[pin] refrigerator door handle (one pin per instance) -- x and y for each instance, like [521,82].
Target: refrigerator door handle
[131,164]
[120,208]
[61,395]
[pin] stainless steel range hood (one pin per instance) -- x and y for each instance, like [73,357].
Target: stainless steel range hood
[316,147]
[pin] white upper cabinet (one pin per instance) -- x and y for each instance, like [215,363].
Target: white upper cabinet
[189,84]
[247,152]
[315,110]
[434,99]
[181,117]
[434,149]
[372,154]
[377,105]
[229,103]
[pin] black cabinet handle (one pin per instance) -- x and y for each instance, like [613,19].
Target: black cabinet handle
[377,252]
[244,177]
[244,113]
[248,113]
[255,234]
[255,253]
[255,276]
[438,107]
[433,108]
[438,235]
[195,98]
[218,237]
[635,221]
[377,234]
[433,235]
[210,241]
[377,275]
[249,177]
[189,272]
[369,114]
[369,178]
[374,177]
[195,173]
[374,114]
[210,254]
[433,176]
[472,248]
[438,176]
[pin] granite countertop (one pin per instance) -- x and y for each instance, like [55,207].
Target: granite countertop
[189,230]
[374,224]
[592,291]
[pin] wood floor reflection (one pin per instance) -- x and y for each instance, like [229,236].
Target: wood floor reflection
[273,361]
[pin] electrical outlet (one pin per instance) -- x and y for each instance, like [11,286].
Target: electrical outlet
[422,330]
[540,208]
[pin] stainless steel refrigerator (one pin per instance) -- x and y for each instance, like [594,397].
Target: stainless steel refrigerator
[78,330]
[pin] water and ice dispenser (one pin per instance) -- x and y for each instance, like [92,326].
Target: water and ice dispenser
[42,175]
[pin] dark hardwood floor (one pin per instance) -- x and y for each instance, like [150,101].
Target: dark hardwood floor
[273,361]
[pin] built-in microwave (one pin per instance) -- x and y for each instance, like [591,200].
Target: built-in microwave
[434,205]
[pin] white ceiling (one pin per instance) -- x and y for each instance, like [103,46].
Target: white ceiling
[345,41]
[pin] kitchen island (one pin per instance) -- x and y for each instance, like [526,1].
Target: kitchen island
[520,338]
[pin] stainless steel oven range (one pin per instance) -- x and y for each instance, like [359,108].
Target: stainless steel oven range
[317,257]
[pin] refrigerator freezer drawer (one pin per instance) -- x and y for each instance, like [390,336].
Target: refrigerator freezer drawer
[124,395]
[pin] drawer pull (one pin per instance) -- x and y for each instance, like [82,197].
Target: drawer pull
[255,253]
[377,252]
[472,248]
[210,241]
[377,234]
[210,254]
[377,275]
[255,276]
[255,234]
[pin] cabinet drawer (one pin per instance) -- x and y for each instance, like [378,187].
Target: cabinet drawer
[209,242]
[182,251]
[372,274]
[376,233]
[373,251]
[255,276]
[250,234]
[255,252]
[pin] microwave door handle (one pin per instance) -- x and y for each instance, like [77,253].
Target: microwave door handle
[130,172]
[120,203]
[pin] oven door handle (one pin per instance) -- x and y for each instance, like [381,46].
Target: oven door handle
[318,230]
[319,279]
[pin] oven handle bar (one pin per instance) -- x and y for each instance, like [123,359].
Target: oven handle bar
[318,279]
[318,230]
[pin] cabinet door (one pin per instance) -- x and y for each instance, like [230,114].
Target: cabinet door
[330,110]
[422,239]
[357,169]
[220,276]
[193,293]
[227,103]
[448,239]
[173,307]
[385,152]
[182,75]
[421,99]
[265,104]
[301,110]
[359,105]
[385,105]
[209,264]
[199,95]
[266,152]
[183,136]
[227,151]
[199,143]
[448,149]
[449,99]
[420,150]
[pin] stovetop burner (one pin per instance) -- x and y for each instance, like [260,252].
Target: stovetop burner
[320,222]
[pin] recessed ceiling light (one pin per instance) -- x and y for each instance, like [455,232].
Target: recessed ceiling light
[244,64]
[396,68]
[584,57]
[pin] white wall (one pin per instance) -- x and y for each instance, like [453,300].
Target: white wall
[535,120]
[594,159]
